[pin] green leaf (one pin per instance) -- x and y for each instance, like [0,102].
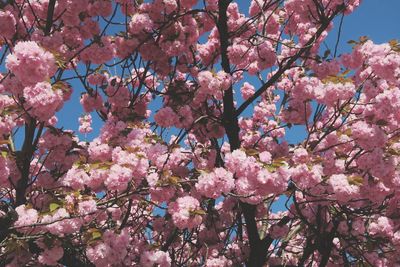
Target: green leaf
[174,180]
[336,80]
[198,212]
[98,69]
[53,206]
[279,162]
[4,154]
[96,235]
[93,234]
[252,152]
[270,167]
[395,45]
[394,152]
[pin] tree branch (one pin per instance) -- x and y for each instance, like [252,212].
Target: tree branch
[306,48]
[49,19]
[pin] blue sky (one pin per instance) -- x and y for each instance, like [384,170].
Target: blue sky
[377,19]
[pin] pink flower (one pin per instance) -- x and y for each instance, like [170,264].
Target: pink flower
[382,60]
[51,256]
[99,254]
[91,103]
[99,151]
[111,250]
[100,8]
[99,52]
[140,23]
[363,133]
[297,112]
[60,224]
[382,226]
[263,110]
[152,179]
[75,178]
[155,258]
[326,68]
[185,117]
[214,83]
[277,231]
[97,178]
[118,178]
[183,212]
[235,160]
[300,155]
[87,207]
[7,24]
[166,117]
[330,93]
[238,53]
[26,216]
[124,47]
[7,123]
[353,60]
[85,124]
[97,79]
[155,151]
[4,172]
[265,157]
[188,3]
[31,63]
[42,101]
[170,5]
[213,184]
[266,55]
[272,183]
[220,261]
[341,188]
[247,90]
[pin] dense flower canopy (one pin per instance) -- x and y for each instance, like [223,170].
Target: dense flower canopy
[195,99]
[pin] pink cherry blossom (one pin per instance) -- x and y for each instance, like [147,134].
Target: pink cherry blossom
[341,188]
[229,133]
[7,24]
[51,256]
[166,117]
[215,183]
[42,100]
[26,216]
[183,212]
[150,258]
[30,63]
[85,124]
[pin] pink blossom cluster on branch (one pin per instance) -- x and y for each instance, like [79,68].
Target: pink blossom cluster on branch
[195,100]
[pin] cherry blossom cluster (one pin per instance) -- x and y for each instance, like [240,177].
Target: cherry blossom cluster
[192,156]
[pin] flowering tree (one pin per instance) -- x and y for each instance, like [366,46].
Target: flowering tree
[191,155]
